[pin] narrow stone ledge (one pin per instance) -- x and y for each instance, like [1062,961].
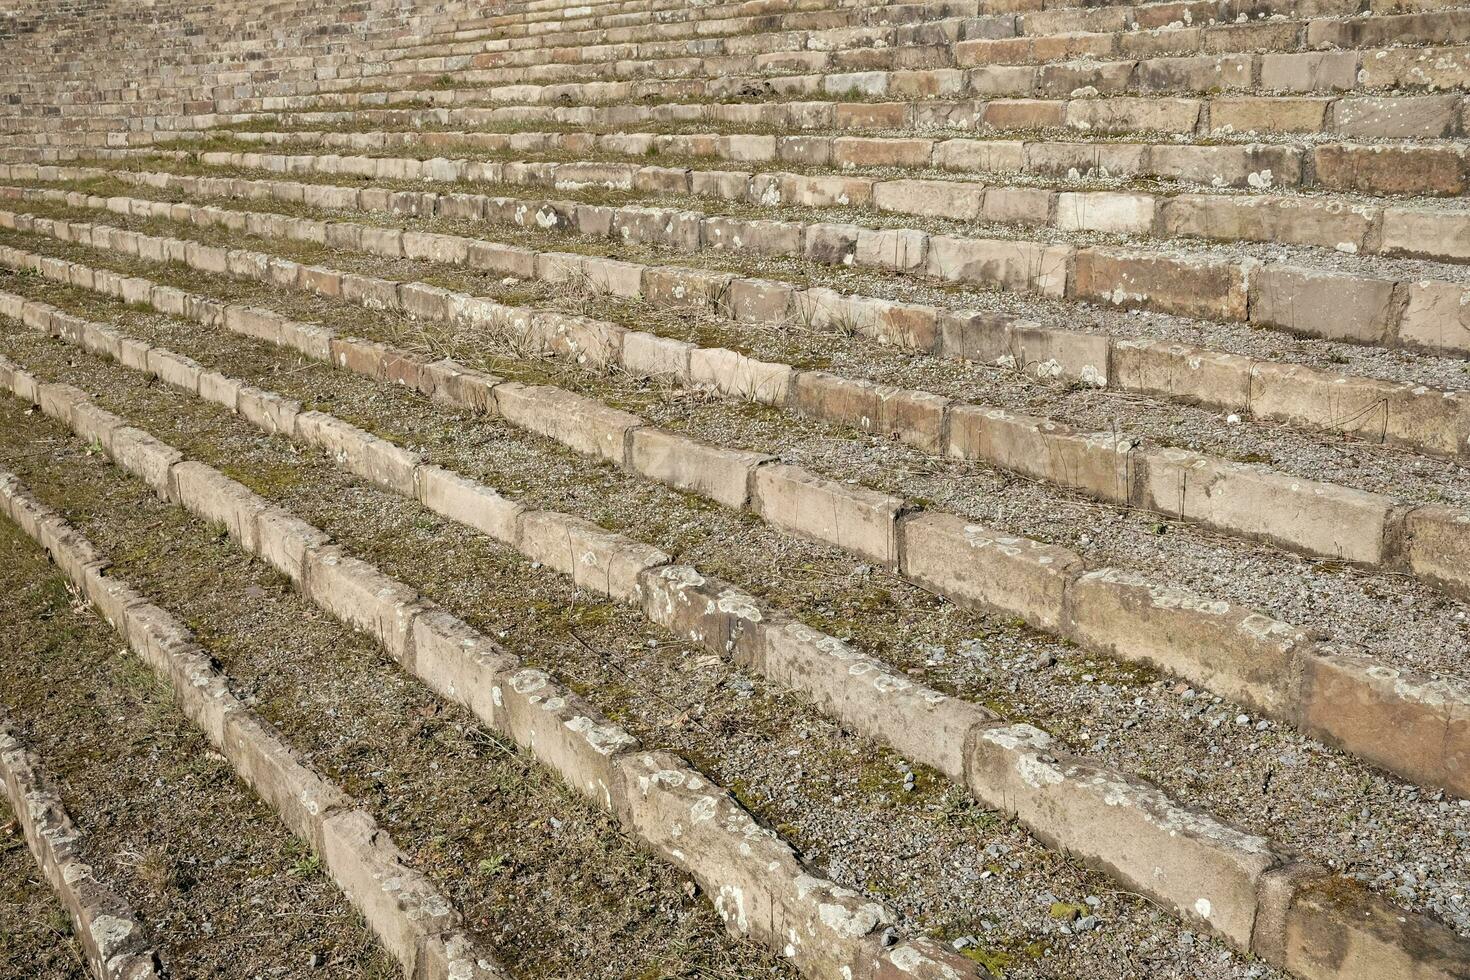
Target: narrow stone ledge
[1236,651]
[850,517]
[112,937]
[400,905]
[982,568]
[1203,869]
[1404,720]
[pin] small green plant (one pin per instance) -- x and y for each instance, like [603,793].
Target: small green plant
[1067,911]
[995,961]
[309,865]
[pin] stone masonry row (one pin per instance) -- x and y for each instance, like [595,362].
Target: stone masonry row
[1240,652]
[759,885]
[1426,419]
[112,937]
[416,924]
[1123,825]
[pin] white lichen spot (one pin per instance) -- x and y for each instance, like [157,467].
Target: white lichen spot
[737,603]
[1049,368]
[529,681]
[703,809]
[108,931]
[730,904]
[849,922]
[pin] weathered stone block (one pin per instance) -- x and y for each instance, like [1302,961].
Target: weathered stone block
[1299,221]
[302,798]
[1410,117]
[599,560]
[756,882]
[1391,169]
[914,417]
[1431,234]
[285,541]
[978,567]
[399,903]
[1015,266]
[1203,870]
[1304,515]
[365,599]
[856,519]
[1437,546]
[870,697]
[1399,719]
[1324,304]
[461,664]
[469,502]
[1106,211]
[1199,287]
[723,475]
[1192,374]
[565,734]
[361,452]
[1236,652]
[268,410]
[737,375]
[1100,463]
[208,493]
[934,198]
[1436,316]
[574,420]
[145,457]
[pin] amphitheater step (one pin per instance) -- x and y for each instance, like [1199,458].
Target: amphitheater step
[155,812]
[421,776]
[764,488]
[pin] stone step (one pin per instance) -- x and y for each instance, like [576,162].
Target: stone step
[823,929]
[1407,412]
[1347,225]
[1370,169]
[870,43]
[1271,56]
[415,923]
[1414,313]
[680,604]
[112,937]
[1049,588]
